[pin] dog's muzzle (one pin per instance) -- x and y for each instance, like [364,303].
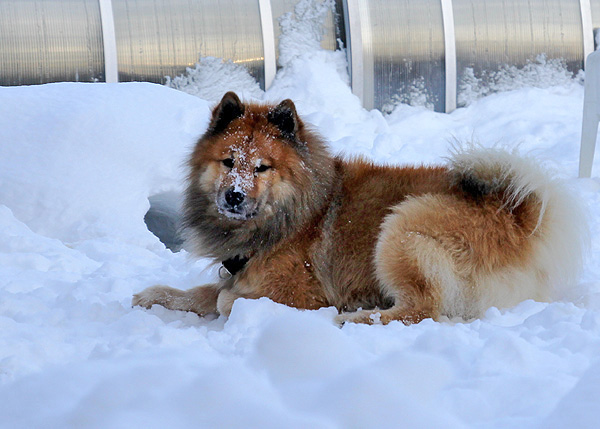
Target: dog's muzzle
[236,205]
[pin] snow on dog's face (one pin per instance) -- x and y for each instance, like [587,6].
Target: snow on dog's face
[248,163]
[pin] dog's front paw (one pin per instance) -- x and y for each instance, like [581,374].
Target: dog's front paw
[162,295]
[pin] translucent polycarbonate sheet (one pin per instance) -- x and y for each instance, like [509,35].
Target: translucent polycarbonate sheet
[331,24]
[491,34]
[158,38]
[44,41]
[403,53]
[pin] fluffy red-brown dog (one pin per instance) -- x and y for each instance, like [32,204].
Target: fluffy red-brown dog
[294,224]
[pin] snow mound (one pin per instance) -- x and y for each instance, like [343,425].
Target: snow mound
[79,166]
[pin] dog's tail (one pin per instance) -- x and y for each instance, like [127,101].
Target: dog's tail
[557,224]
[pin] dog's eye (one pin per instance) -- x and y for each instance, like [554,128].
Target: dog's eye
[262,168]
[228,162]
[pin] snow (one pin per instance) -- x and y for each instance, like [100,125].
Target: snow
[79,164]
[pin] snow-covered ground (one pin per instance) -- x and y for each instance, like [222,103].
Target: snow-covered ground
[78,164]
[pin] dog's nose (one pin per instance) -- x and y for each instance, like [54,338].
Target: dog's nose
[234,198]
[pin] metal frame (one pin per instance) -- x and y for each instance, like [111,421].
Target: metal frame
[587,29]
[591,115]
[268,35]
[450,54]
[354,40]
[109,40]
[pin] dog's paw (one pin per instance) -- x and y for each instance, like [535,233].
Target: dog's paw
[368,317]
[162,295]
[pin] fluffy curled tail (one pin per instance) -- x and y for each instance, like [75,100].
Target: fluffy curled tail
[559,233]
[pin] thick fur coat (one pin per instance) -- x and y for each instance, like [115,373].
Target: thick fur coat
[379,243]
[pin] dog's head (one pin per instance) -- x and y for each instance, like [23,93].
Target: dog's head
[251,161]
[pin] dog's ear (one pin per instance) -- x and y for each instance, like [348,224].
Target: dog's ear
[227,110]
[284,117]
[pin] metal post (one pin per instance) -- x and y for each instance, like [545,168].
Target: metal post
[450,54]
[587,29]
[111,65]
[356,43]
[591,115]
[268,35]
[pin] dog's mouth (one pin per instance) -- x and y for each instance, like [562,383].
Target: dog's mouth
[236,213]
[237,207]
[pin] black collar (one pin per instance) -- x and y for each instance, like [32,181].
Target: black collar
[234,265]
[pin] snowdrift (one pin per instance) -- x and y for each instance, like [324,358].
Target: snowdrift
[79,165]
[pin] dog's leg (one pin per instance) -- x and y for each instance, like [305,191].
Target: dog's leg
[225,301]
[414,292]
[416,266]
[201,300]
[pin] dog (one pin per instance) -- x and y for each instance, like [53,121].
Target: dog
[291,222]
